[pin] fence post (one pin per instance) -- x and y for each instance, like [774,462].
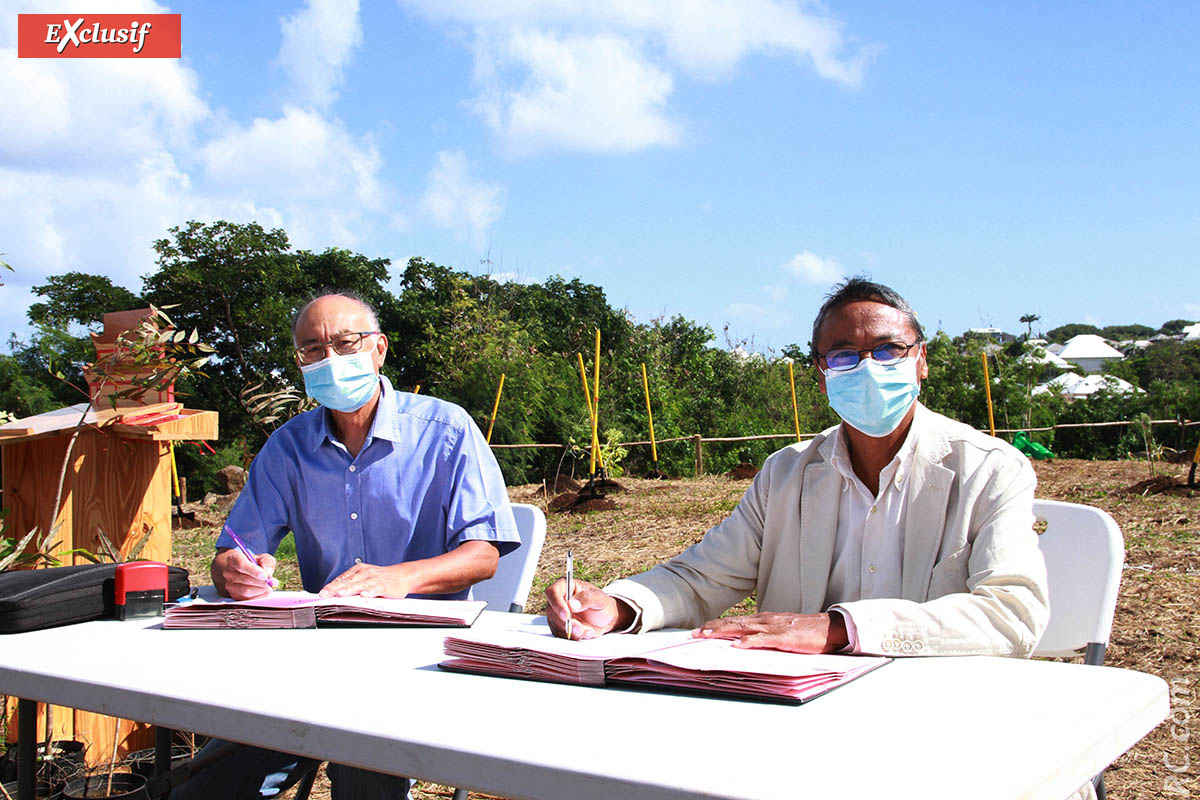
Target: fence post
[699,455]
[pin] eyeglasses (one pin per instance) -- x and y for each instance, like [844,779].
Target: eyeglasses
[343,344]
[843,359]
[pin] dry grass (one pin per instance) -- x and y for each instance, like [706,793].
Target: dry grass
[1154,631]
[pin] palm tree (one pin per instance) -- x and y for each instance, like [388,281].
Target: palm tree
[1029,319]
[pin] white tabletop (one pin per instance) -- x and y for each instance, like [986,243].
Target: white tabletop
[929,727]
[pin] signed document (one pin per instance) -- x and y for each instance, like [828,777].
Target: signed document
[308,610]
[667,660]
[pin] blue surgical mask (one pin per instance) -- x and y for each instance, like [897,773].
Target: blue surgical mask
[343,383]
[873,398]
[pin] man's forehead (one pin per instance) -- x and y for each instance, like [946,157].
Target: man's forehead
[878,319]
[329,316]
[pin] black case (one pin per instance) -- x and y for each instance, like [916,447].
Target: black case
[46,598]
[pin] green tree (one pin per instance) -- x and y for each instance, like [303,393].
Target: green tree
[1028,320]
[1119,333]
[80,298]
[1174,327]
[1064,332]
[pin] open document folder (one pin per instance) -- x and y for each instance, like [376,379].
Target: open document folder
[308,610]
[670,660]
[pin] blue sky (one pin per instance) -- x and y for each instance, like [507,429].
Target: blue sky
[726,161]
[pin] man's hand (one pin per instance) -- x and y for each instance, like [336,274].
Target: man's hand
[593,613]
[795,633]
[238,577]
[370,580]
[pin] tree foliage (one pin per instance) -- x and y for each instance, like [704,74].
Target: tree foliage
[455,334]
[1065,332]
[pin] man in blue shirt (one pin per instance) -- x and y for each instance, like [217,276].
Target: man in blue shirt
[387,494]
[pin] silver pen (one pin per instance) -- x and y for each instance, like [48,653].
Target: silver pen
[570,588]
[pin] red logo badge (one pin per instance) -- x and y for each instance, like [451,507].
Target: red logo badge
[99,36]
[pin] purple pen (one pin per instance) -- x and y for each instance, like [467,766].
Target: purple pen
[248,553]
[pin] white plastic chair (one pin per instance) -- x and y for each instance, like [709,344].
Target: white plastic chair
[508,589]
[1084,553]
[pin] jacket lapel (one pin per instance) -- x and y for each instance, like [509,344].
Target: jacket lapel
[928,495]
[818,529]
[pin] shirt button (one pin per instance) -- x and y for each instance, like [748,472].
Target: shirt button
[353,515]
[871,569]
[353,468]
[872,509]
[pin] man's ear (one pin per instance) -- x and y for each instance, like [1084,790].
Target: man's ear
[922,364]
[381,348]
[820,376]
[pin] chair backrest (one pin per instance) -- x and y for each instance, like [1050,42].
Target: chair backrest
[1084,554]
[508,589]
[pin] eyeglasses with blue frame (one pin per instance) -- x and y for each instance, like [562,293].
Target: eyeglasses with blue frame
[847,358]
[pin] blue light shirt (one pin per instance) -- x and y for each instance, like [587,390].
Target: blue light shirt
[424,482]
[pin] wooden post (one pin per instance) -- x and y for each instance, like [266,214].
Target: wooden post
[987,384]
[699,454]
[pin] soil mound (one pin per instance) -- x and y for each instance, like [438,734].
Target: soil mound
[1160,484]
[742,472]
[569,503]
[564,483]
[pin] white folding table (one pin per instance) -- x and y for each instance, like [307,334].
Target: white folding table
[374,698]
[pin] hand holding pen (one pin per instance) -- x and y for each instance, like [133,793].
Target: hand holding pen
[234,579]
[577,609]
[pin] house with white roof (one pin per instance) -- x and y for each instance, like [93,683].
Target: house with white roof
[1089,352]
[1072,386]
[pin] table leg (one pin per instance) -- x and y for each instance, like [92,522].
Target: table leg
[27,748]
[162,750]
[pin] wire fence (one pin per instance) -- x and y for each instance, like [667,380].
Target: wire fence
[700,440]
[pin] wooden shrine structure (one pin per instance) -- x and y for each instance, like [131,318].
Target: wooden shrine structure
[118,481]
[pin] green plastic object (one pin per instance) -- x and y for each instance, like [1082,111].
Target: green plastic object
[1032,449]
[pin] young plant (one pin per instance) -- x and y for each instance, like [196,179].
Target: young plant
[1153,449]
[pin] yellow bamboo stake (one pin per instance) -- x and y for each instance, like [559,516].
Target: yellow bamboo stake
[175,472]
[417,390]
[795,411]
[596,406]
[587,396]
[650,416]
[495,408]
[987,383]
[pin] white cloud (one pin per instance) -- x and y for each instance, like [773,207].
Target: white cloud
[300,156]
[549,69]
[812,268]
[583,92]
[455,200]
[101,156]
[318,41]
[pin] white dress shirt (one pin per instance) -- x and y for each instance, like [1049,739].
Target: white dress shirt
[869,548]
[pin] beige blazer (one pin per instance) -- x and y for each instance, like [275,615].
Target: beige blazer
[973,580]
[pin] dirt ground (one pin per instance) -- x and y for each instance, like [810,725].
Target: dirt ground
[1155,628]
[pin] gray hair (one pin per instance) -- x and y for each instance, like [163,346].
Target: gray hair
[857,289]
[349,295]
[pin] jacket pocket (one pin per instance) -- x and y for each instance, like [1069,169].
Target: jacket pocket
[950,574]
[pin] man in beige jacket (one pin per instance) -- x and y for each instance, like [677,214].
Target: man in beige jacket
[899,532]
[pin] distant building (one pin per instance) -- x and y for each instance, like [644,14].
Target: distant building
[1089,352]
[1073,386]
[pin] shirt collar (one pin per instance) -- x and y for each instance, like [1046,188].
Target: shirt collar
[897,469]
[385,425]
